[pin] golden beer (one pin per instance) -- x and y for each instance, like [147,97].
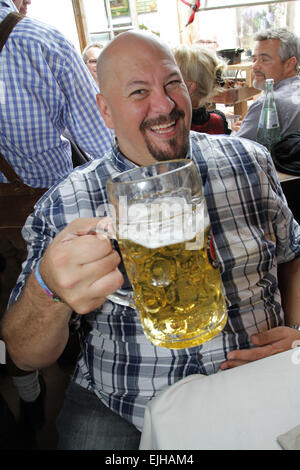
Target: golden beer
[163,230]
[177,291]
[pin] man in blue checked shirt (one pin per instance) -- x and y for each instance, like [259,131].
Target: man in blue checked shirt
[45,89]
[144,99]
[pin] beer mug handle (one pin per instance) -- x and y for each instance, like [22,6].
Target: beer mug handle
[122,297]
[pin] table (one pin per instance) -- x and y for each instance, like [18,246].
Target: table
[283,177]
[243,67]
[236,97]
[244,408]
[290,185]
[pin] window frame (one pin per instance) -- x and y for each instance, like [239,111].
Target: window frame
[205,4]
[111,30]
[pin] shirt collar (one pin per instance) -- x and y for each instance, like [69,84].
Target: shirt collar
[8,3]
[122,163]
[286,81]
[119,161]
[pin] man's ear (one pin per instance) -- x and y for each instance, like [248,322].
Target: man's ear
[291,64]
[191,86]
[104,110]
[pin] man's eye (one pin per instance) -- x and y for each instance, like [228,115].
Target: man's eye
[174,82]
[139,92]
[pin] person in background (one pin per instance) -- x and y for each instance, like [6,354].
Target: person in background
[45,89]
[52,91]
[90,56]
[22,5]
[276,55]
[202,72]
[145,100]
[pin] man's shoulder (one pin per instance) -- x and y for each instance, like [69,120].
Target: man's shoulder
[288,92]
[84,181]
[287,82]
[201,140]
[237,149]
[33,31]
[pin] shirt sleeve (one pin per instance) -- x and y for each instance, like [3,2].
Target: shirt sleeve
[45,88]
[82,116]
[284,226]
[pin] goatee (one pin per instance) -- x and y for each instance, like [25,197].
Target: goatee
[176,150]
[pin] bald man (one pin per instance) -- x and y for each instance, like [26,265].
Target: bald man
[69,269]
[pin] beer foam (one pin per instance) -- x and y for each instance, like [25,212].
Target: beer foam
[161,224]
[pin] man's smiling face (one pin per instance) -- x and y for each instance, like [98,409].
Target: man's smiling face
[145,100]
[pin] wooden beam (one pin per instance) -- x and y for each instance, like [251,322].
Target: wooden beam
[81,25]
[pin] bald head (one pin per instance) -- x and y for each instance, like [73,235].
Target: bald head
[143,98]
[122,49]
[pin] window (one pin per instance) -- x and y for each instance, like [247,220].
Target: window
[146,6]
[105,19]
[216,4]
[237,27]
[119,8]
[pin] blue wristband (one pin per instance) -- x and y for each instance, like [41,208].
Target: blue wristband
[43,285]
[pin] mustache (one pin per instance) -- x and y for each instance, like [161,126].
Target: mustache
[259,74]
[162,119]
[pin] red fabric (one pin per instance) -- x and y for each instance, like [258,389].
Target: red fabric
[215,125]
[194,7]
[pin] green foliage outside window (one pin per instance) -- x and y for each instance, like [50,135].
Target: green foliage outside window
[119,8]
[146,6]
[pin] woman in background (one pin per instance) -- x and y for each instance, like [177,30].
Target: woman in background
[202,71]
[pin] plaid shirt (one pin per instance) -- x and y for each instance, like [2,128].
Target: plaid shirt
[253,230]
[45,88]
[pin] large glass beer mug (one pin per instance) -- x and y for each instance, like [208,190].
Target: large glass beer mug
[163,232]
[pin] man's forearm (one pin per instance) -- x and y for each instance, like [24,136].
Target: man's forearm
[289,285]
[82,269]
[35,329]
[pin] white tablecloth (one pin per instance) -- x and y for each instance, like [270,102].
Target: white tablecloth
[247,407]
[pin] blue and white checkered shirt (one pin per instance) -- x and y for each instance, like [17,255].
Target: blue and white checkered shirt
[45,88]
[253,231]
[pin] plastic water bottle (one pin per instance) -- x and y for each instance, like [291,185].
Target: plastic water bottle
[268,131]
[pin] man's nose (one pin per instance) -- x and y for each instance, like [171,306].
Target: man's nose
[256,66]
[161,102]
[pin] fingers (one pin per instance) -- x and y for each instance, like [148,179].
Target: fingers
[267,343]
[77,228]
[89,299]
[74,275]
[82,249]
[269,336]
[243,356]
[236,126]
[81,267]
